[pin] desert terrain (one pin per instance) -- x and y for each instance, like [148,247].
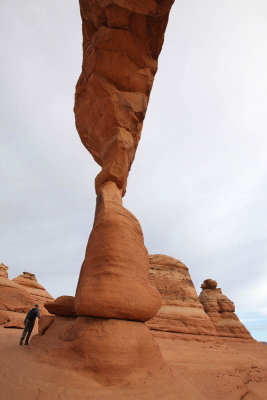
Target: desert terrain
[201,368]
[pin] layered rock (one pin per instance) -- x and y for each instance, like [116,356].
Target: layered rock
[122,40]
[113,281]
[221,311]
[14,297]
[3,270]
[4,317]
[29,282]
[181,310]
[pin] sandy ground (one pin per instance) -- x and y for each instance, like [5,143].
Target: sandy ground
[202,369]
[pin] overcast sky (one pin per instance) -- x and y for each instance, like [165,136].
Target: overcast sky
[198,182]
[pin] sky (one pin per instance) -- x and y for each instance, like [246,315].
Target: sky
[198,184]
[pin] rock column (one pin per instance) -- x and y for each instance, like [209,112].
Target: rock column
[221,311]
[122,40]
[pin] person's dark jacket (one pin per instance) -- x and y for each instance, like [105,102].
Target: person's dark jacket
[32,321]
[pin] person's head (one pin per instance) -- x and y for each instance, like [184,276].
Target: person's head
[36,306]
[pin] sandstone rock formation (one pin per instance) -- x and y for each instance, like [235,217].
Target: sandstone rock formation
[3,317]
[44,323]
[121,43]
[14,297]
[29,282]
[221,311]
[114,351]
[3,270]
[63,305]
[181,310]
[122,40]
[114,277]
[15,323]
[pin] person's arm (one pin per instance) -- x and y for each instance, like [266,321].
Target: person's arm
[38,313]
[25,320]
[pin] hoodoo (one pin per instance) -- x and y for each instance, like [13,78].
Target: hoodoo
[122,40]
[221,311]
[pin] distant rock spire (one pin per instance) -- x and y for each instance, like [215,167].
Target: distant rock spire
[221,311]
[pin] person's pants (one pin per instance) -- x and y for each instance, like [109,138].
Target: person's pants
[28,330]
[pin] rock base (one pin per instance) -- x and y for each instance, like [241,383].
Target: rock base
[113,351]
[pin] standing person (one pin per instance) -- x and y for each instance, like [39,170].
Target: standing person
[29,323]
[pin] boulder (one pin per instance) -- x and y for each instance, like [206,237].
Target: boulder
[221,311]
[63,305]
[181,310]
[29,282]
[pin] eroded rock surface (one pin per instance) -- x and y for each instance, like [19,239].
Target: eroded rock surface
[122,40]
[17,299]
[15,323]
[221,311]
[3,317]
[3,270]
[181,310]
[114,351]
[44,323]
[14,297]
[113,281]
[29,282]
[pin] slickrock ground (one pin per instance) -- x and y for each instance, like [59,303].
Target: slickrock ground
[202,369]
